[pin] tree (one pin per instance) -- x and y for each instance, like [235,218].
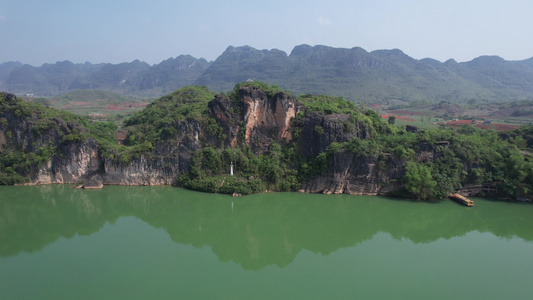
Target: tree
[418,181]
[392,120]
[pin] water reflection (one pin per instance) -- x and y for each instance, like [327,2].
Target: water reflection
[253,231]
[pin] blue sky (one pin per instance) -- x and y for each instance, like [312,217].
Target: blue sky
[46,31]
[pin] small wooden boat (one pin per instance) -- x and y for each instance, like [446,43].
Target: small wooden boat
[461,199]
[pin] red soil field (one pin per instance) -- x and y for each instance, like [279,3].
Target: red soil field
[386,116]
[114,107]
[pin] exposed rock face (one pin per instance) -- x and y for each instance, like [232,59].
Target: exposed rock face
[84,164]
[256,119]
[160,168]
[263,119]
[319,131]
[221,109]
[81,160]
[265,116]
[259,118]
[356,175]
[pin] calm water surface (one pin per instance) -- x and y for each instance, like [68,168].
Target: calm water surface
[169,243]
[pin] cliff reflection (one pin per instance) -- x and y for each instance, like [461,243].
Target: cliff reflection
[253,231]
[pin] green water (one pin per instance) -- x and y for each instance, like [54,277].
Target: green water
[170,243]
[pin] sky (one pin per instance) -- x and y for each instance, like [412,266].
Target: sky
[110,31]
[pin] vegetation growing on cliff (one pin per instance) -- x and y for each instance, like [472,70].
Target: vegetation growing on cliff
[252,173]
[328,104]
[436,161]
[283,166]
[432,162]
[33,134]
[269,90]
[17,161]
[159,121]
[467,156]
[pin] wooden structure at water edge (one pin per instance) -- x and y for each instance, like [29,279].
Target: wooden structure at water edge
[461,199]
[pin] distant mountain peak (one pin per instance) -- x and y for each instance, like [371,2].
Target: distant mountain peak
[391,54]
[487,59]
[301,49]
[241,48]
[451,61]
[352,73]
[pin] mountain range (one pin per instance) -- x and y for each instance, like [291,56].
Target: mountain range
[355,74]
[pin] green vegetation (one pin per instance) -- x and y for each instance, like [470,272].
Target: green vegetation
[418,180]
[327,104]
[51,129]
[94,95]
[465,157]
[14,165]
[432,162]
[160,120]
[269,90]
[98,105]
[252,173]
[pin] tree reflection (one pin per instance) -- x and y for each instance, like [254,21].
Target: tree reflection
[254,231]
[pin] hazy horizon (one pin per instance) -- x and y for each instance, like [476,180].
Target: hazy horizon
[152,64]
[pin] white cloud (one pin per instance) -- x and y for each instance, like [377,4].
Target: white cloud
[324,21]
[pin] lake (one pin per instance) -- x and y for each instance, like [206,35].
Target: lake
[169,243]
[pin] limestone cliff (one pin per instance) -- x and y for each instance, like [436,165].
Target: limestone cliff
[357,175]
[251,117]
[258,118]
[74,156]
[158,168]
[320,130]
[80,161]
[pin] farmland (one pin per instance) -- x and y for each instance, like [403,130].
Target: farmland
[109,106]
[494,116]
[97,105]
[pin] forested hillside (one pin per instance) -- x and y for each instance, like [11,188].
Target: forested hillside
[276,141]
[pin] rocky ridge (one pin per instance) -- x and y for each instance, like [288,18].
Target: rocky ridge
[355,74]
